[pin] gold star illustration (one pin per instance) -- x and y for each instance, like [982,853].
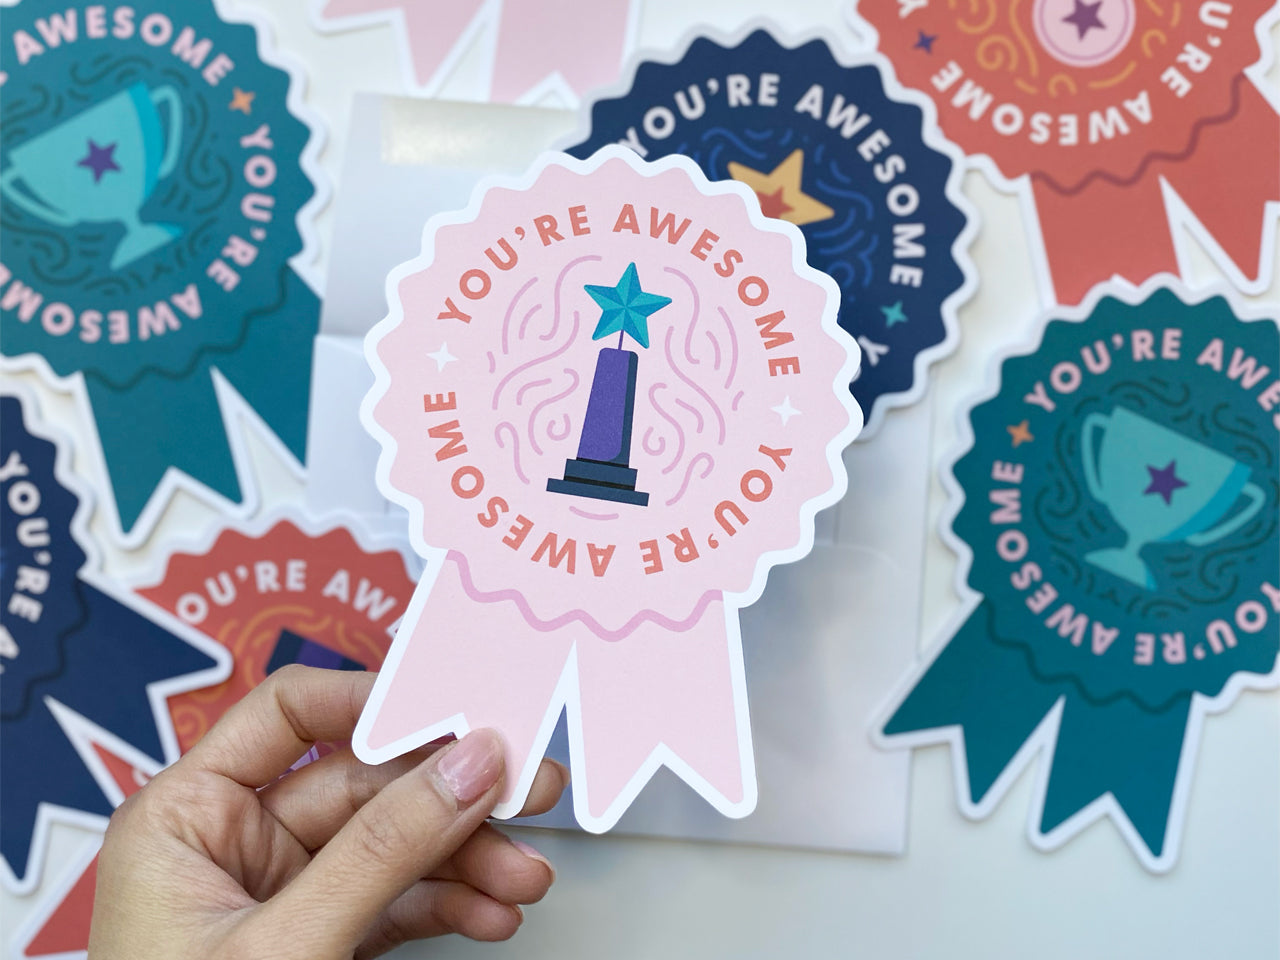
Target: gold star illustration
[1020,433]
[779,190]
[241,100]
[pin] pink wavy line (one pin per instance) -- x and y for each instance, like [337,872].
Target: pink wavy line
[515,447]
[506,321]
[733,341]
[567,428]
[696,389]
[693,323]
[579,615]
[497,393]
[671,420]
[542,403]
[493,362]
[711,465]
[715,345]
[529,386]
[524,322]
[593,516]
[536,361]
[644,442]
[692,409]
[737,400]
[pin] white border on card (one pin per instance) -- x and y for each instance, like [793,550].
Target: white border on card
[1042,740]
[1177,214]
[565,693]
[235,410]
[482,28]
[73,725]
[932,138]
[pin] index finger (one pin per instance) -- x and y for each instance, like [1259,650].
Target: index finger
[278,721]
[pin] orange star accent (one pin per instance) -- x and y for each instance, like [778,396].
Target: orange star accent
[241,100]
[772,204]
[779,190]
[1021,433]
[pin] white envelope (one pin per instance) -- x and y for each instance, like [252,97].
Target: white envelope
[830,634]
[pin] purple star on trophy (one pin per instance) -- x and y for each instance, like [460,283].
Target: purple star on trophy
[602,469]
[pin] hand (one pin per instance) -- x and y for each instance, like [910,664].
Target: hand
[220,856]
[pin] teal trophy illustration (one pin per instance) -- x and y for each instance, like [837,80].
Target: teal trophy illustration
[602,468]
[1160,487]
[101,166]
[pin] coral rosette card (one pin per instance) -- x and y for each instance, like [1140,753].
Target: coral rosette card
[1124,117]
[611,395]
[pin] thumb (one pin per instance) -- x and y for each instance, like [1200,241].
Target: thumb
[407,830]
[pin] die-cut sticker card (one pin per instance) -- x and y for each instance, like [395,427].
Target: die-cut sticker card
[63,628]
[409,158]
[1118,124]
[532,50]
[1115,511]
[285,589]
[840,150]
[582,415]
[155,204]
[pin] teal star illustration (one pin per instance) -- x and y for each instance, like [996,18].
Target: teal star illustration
[626,308]
[893,314]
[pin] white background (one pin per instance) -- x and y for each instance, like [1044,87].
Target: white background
[964,889]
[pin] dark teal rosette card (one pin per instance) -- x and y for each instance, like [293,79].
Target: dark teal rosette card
[1118,512]
[151,187]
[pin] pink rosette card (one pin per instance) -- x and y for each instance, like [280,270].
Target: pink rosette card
[611,395]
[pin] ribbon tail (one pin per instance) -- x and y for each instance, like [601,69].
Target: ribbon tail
[66,931]
[663,697]
[271,369]
[533,44]
[1103,230]
[466,664]
[157,423]
[1231,175]
[1120,749]
[430,29]
[987,690]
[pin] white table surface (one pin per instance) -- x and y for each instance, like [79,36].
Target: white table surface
[964,889]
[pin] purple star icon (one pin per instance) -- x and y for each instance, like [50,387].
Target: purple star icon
[100,160]
[1164,481]
[1084,18]
[925,42]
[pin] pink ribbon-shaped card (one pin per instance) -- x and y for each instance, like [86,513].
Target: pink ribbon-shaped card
[611,396]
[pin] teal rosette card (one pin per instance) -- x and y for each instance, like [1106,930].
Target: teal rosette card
[153,197]
[1117,516]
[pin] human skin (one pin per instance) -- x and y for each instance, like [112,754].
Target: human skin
[226,854]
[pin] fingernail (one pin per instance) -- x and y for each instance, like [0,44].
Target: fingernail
[472,765]
[533,854]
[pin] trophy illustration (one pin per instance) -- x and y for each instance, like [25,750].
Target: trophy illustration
[294,648]
[101,166]
[1160,487]
[602,469]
